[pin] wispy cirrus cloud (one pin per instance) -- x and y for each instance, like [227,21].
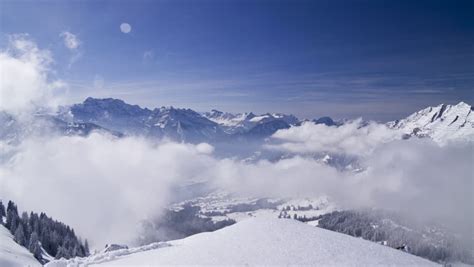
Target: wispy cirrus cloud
[73,43]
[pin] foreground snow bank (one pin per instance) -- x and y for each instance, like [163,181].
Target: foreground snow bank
[12,254]
[258,242]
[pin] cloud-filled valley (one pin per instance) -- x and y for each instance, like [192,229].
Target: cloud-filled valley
[100,179]
[105,182]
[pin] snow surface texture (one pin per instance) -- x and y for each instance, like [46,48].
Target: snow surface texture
[257,242]
[12,254]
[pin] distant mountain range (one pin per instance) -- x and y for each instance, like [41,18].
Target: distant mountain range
[443,122]
[175,123]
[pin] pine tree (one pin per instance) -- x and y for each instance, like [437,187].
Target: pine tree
[3,213]
[12,206]
[33,239]
[19,236]
[76,251]
[61,253]
[38,232]
[12,217]
[86,248]
[26,226]
[12,221]
[34,246]
[36,251]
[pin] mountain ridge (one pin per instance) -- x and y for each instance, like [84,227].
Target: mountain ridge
[114,116]
[442,123]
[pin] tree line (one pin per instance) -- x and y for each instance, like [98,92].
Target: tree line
[39,234]
[430,242]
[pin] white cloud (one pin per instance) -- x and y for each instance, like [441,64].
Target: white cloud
[350,138]
[104,185]
[423,180]
[101,185]
[416,177]
[70,40]
[25,76]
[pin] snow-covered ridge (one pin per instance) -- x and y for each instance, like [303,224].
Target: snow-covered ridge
[442,123]
[243,122]
[257,242]
[175,123]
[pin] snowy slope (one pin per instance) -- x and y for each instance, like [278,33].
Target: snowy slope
[12,254]
[258,242]
[442,123]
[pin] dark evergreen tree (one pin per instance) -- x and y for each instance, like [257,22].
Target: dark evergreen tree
[38,232]
[12,216]
[12,221]
[20,236]
[394,231]
[86,247]
[3,213]
[12,206]
[34,246]
[61,253]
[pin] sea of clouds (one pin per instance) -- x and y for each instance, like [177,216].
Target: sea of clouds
[103,185]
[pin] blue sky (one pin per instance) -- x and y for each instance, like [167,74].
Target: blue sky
[377,59]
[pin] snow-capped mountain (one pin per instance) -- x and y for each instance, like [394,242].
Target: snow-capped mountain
[115,114]
[257,241]
[243,123]
[442,123]
[175,123]
[231,123]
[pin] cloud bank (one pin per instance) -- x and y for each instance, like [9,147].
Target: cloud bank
[25,72]
[353,138]
[101,185]
[104,185]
